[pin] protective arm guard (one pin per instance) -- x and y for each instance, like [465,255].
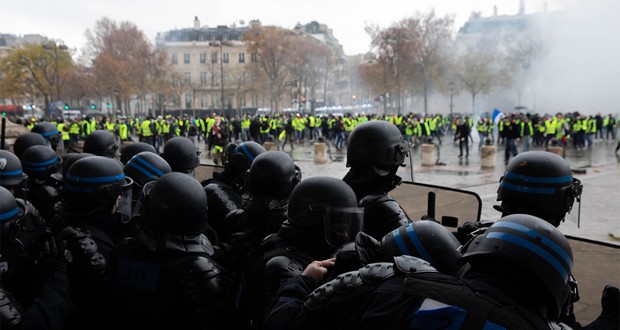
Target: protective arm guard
[344,288]
[10,311]
[208,292]
[82,251]
[382,214]
[222,200]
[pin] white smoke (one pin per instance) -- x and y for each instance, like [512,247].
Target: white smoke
[581,71]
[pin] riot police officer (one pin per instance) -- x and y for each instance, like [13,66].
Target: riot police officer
[50,132]
[42,165]
[322,215]
[224,190]
[26,141]
[375,151]
[539,183]
[131,149]
[34,289]
[177,285]
[181,154]
[518,280]
[101,143]
[271,179]
[96,193]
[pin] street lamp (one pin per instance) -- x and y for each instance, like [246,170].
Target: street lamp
[221,43]
[451,85]
[54,47]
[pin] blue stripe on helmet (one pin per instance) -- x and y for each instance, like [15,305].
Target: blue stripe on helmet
[39,164]
[534,249]
[48,134]
[8,214]
[527,189]
[534,234]
[142,170]
[11,173]
[534,179]
[150,166]
[400,243]
[100,179]
[415,240]
[246,152]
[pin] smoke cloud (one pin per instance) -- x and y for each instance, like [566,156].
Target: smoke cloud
[580,70]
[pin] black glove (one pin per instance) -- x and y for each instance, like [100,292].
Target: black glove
[52,258]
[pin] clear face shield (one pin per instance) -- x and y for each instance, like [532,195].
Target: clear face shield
[124,204]
[341,224]
[144,195]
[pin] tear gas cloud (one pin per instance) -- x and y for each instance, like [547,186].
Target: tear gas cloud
[580,70]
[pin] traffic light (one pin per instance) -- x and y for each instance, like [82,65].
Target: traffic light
[66,107]
[109,105]
[4,113]
[303,99]
[92,106]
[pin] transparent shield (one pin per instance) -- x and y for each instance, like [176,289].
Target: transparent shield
[450,207]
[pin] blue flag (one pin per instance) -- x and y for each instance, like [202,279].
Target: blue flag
[497,115]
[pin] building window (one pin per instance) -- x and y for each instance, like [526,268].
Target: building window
[188,101]
[215,79]
[203,58]
[174,59]
[204,100]
[186,58]
[241,58]
[214,58]
[203,78]
[225,57]
[188,77]
[254,58]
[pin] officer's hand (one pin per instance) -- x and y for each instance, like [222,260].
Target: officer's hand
[52,258]
[316,270]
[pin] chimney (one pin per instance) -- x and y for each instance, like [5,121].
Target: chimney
[494,10]
[521,7]
[196,23]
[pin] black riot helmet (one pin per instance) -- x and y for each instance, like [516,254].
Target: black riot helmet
[96,182]
[181,154]
[425,239]
[240,157]
[327,203]
[132,149]
[70,158]
[273,175]
[175,204]
[532,246]
[40,162]
[377,143]
[101,143]
[145,167]
[9,214]
[49,131]
[26,141]
[539,183]
[11,170]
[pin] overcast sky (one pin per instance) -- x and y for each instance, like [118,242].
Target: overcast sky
[67,20]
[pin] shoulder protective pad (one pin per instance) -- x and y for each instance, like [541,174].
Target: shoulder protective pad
[410,265]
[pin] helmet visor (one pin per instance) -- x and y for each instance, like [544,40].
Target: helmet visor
[124,206]
[341,224]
